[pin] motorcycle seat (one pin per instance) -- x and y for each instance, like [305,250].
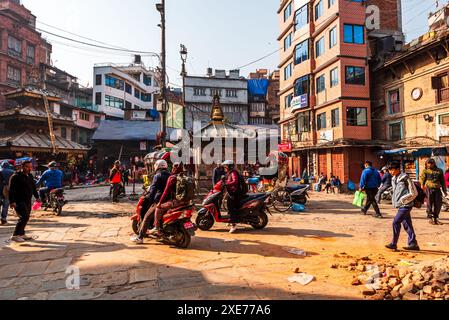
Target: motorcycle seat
[186,207]
[56,191]
[297,187]
[251,197]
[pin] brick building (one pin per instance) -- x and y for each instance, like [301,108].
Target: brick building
[325,84]
[22,49]
[263,89]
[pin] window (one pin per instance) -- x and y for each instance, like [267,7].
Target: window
[64,133]
[357,117]
[147,80]
[333,37]
[321,84]
[288,101]
[114,83]
[444,119]
[84,116]
[321,121]
[128,88]
[335,79]
[394,103]
[319,47]
[98,79]
[14,47]
[231,93]
[199,92]
[287,11]
[145,97]
[74,135]
[335,118]
[355,75]
[14,74]
[302,52]
[395,131]
[137,93]
[330,3]
[114,102]
[215,92]
[302,86]
[304,122]
[301,17]
[319,10]
[98,101]
[354,34]
[288,41]
[288,71]
[31,52]
[128,105]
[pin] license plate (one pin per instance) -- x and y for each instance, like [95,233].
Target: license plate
[189,225]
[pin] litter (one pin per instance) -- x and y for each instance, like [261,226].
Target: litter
[298,207]
[302,278]
[298,252]
[407,263]
[431,244]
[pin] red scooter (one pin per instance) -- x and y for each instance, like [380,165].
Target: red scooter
[252,210]
[177,228]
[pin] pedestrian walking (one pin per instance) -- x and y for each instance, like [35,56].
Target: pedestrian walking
[116,181]
[432,180]
[370,183]
[404,195]
[126,175]
[22,189]
[386,184]
[6,172]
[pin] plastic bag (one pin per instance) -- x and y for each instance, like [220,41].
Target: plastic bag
[298,207]
[36,206]
[359,199]
[351,186]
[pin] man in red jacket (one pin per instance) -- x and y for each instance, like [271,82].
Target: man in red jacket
[235,192]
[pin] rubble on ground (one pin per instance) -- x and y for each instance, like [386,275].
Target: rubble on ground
[406,280]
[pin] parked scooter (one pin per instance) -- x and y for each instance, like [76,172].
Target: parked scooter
[387,195]
[445,202]
[299,193]
[252,211]
[177,228]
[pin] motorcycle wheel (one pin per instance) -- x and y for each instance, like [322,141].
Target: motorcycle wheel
[58,210]
[282,200]
[136,226]
[262,223]
[205,222]
[184,239]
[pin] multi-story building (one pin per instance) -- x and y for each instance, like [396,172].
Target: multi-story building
[325,83]
[263,89]
[125,87]
[22,49]
[200,91]
[411,99]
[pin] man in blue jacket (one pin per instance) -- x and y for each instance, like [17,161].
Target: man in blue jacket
[52,179]
[370,183]
[6,172]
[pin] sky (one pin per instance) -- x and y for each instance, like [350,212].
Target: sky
[221,34]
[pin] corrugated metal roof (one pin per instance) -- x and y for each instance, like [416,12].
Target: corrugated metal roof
[33,111]
[34,140]
[124,130]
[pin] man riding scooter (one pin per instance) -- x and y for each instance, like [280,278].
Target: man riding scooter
[52,178]
[152,199]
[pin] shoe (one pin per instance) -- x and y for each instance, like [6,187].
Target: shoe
[17,239]
[379,216]
[4,222]
[438,222]
[391,247]
[363,212]
[155,232]
[432,222]
[136,240]
[233,229]
[414,247]
[26,238]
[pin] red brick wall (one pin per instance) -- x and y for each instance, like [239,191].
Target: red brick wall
[388,13]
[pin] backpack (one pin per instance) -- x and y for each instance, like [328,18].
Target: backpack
[243,188]
[185,188]
[421,198]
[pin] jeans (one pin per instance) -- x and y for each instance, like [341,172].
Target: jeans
[4,204]
[147,221]
[371,200]
[43,194]
[115,191]
[404,218]
[23,211]
[434,203]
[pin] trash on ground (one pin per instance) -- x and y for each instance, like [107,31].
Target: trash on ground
[298,252]
[407,263]
[301,278]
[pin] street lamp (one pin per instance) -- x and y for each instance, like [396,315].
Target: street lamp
[183,52]
[163,109]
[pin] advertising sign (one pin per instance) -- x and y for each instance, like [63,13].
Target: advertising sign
[300,102]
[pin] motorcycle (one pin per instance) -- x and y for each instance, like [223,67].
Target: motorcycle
[387,195]
[55,201]
[251,212]
[445,202]
[177,228]
[299,193]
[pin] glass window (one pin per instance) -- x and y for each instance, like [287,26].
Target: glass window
[319,8]
[231,93]
[128,88]
[444,119]
[98,79]
[288,41]
[114,82]
[147,80]
[199,92]
[215,92]
[394,102]
[64,133]
[321,121]
[333,37]
[319,47]
[301,17]
[137,93]
[321,84]
[84,116]
[304,122]
[335,78]
[288,101]
[354,34]
[357,117]
[114,102]
[287,11]
[14,46]
[302,86]
[145,97]
[331,3]
[302,52]
[355,75]
[335,118]
[14,74]
[395,131]
[98,101]
[31,52]
[288,71]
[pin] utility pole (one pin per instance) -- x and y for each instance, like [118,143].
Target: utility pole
[161,8]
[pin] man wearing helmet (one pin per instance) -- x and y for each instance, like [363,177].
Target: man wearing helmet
[152,198]
[116,180]
[52,178]
[235,192]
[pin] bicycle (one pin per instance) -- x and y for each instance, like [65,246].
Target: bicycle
[280,200]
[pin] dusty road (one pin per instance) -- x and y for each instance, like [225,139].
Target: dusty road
[94,237]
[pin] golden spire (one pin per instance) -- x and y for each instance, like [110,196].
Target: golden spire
[217,115]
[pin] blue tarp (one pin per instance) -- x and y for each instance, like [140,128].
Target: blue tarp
[258,87]
[153,113]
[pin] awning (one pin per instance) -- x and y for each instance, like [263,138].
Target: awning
[415,152]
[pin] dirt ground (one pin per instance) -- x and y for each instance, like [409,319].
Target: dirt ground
[94,236]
